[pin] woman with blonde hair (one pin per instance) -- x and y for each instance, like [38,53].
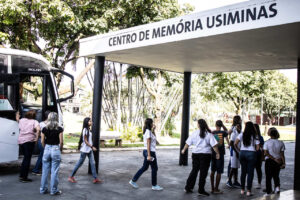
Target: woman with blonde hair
[52,140]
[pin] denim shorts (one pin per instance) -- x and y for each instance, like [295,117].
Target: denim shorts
[217,165]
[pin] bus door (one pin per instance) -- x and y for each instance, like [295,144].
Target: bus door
[9,131]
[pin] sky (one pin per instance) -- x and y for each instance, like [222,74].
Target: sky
[201,5]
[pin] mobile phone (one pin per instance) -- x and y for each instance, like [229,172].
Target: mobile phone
[152,159]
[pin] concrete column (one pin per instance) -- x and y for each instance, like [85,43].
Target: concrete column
[183,159]
[297,145]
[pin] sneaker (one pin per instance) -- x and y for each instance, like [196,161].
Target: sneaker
[25,180]
[157,188]
[37,173]
[229,184]
[96,180]
[72,179]
[188,191]
[44,192]
[277,190]
[237,185]
[57,193]
[203,193]
[133,184]
[249,194]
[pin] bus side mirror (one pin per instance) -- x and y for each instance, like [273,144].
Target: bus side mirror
[63,89]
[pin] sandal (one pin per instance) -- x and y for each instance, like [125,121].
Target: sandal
[72,179]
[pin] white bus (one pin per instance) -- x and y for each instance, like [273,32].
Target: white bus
[27,81]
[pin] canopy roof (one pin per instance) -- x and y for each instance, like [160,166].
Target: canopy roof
[257,34]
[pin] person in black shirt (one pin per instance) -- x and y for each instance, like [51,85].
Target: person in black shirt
[52,140]
[218,164]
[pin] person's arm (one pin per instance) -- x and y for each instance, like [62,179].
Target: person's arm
[148,149]
[37,132]
[235,146]
[18,116]
[224,127]
[61,141]
[88,144]
[186,146]
[257,147]
[216,149]
[43,139]
[227,140]
[282,159]
[271,157]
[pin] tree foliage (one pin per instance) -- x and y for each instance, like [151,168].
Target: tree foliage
[244,88]
[53,28]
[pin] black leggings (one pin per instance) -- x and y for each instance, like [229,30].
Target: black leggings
[258,168]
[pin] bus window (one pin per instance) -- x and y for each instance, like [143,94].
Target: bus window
[3,64]
[6,103]
[31,89]
[50,98]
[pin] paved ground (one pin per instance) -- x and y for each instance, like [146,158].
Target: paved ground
[117,168]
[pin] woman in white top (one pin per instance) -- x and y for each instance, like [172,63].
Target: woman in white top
[275,160]
[86,149]
[149,156]
[234,163]
[204,141]
[249,146]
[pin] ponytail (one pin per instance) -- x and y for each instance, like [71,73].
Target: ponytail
[203,128]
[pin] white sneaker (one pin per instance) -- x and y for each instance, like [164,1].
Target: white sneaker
[277,190]
[133,184]
[266,195]
[157,187]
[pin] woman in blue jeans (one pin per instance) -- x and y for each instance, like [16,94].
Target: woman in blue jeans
[86,149]
[149,156]
[52,140]
[249,146]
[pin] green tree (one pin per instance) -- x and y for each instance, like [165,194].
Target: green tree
[245,88]
[236,87]
[54,28]
[279,94]
[165,88]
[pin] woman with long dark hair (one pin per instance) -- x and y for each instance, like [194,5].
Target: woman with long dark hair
[275,160]
[204,141]
[234,163]
[86,148]
[52,141]
[260,155]
[149,154]
[249,146]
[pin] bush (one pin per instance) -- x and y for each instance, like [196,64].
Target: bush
[131,133]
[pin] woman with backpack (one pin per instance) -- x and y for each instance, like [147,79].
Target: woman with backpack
[204,141]
[86,149]
[248,156]
[149,154]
